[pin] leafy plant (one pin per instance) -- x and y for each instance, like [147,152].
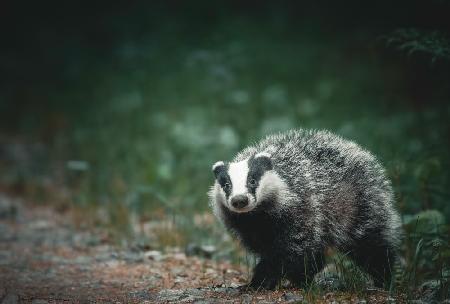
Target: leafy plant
[434,44]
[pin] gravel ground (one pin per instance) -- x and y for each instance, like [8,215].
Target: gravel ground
[44,258]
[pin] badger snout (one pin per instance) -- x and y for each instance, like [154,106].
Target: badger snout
[239,201]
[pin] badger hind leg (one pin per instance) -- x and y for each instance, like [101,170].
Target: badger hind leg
[376,256]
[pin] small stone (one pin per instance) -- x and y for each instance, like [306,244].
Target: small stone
[153,255]
[206,251]
[291,297]
[10,298]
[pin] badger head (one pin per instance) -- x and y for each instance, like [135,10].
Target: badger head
[242,186]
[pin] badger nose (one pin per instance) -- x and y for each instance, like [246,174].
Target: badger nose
[239,201]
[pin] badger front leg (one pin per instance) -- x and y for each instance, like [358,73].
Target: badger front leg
[266,274]
[303,268]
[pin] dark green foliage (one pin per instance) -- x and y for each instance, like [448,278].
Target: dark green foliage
[435,44]
[427,252]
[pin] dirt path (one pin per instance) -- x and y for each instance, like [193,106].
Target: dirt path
[45,259]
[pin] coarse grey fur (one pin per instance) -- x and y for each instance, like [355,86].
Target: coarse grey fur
[315,190]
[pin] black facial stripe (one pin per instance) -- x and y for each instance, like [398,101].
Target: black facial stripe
[223,179]
[257,167]
[217,170]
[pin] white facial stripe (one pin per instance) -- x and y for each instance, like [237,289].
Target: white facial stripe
[238,174]
[262,154]
[218,164]
[270,184]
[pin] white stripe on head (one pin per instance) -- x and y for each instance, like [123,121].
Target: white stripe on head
[238,174]
[217,164]
[262,154]
[271,185]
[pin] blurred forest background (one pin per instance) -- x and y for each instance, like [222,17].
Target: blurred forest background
[118,110]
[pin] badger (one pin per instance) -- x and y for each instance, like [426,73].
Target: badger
[294,194]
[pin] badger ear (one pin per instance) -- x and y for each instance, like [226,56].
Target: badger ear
[263,160]
[218,167]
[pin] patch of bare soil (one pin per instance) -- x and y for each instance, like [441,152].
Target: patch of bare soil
[45,259]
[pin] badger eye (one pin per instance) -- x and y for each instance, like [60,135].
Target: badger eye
[252,182]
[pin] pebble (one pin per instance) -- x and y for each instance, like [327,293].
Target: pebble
[154,255]
[290,297]
[206,251]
